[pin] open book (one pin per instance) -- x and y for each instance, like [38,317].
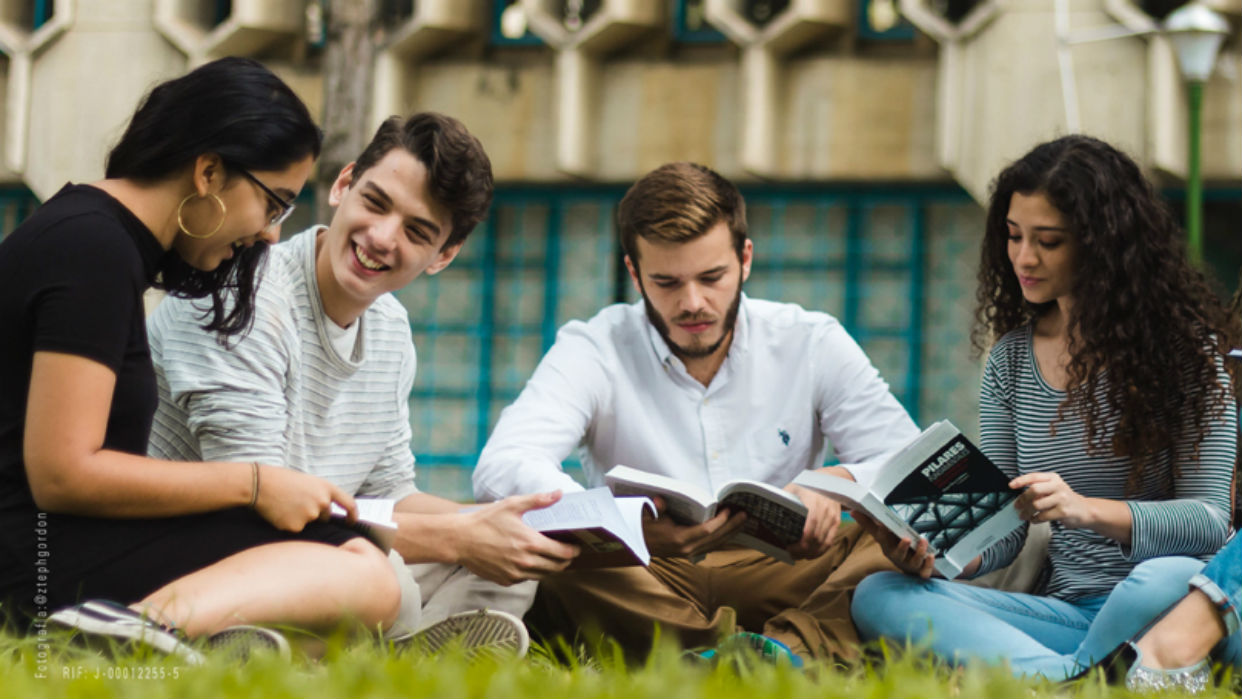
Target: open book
[774,517]
[940,487]
[609,530]
[374,520]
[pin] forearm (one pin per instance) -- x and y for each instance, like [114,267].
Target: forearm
[840,471]
[427,537]
[1110,518]
[428,528]
[110,483]
[1183,527]
[998,555]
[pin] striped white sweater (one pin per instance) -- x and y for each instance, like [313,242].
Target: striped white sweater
[282,394]
[1016,407]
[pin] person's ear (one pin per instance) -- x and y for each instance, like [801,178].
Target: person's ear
[340,185]
[447,255]
[208,174]
[633,269]
[748,254]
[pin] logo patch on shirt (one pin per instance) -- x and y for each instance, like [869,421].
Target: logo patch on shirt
[784,437]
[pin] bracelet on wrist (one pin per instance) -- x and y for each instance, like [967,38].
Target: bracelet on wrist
[254,484]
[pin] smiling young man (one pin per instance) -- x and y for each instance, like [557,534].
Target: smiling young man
[701,383]
[321,382]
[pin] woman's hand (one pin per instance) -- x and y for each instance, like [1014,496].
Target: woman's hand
[1050,499]
[290,499]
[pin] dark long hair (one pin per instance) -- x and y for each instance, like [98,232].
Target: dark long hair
[1142,312]
[242,112]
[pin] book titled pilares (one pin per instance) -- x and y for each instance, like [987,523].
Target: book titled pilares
[939,487]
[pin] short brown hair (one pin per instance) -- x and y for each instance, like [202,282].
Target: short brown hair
[459,173]
[678,202]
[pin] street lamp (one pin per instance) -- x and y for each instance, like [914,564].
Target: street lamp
[1197,33]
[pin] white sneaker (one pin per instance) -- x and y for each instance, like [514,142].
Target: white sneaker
[481,631]
[243,641]
[107,619]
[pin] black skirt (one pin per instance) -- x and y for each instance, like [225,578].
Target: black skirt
[50,561]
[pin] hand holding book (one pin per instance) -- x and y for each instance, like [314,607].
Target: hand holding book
[497,544]
[910,557]
[666,537]
[774,521]
[823,518]
[939,487]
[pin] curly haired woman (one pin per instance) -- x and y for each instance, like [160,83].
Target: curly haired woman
[1106,398]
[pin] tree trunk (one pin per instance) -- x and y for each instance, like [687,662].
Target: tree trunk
[353,28]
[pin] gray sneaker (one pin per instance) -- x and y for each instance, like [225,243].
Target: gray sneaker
[240,642]
[103,619]
[478,632]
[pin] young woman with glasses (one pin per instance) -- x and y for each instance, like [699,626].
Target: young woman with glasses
[194,191]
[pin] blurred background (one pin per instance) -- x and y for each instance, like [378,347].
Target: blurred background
[863,133]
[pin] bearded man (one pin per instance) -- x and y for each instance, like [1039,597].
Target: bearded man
[701,383]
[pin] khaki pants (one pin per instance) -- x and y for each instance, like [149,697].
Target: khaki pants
[805,605]
[431,592]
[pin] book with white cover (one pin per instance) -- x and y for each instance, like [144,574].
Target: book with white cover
[775,518]
[374,520]
[607,529]
[940,487]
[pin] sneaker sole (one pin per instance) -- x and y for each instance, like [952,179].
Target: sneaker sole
[242,641]
[98,620]
[481,631]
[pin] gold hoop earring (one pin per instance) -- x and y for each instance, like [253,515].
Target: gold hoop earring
[181,222]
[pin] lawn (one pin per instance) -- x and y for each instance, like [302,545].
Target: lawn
[369,669]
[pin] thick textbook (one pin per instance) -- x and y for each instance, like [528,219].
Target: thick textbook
[774,518]
[609,530]
[940,487]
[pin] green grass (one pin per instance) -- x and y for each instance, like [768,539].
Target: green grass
[368,669]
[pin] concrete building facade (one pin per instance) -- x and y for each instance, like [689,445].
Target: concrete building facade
[864,133]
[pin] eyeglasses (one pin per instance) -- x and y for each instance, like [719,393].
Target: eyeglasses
[285,207]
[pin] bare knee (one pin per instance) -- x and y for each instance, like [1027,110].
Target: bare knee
[382,601]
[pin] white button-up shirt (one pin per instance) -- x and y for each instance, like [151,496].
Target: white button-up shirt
[792,382]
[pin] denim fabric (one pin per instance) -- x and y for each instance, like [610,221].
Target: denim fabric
[1221,581]
[1035,635]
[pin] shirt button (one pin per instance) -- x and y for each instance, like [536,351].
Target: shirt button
[715,455]
[706,401]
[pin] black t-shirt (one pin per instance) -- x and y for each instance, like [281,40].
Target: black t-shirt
[71,280]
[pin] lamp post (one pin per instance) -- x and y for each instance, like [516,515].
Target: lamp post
[1197,33]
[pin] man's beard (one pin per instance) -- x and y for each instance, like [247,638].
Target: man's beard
[683,353]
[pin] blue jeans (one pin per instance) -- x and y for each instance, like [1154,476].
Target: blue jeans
[1221,581]
[1035,635]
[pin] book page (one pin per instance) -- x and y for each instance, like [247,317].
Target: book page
[598,522]
[857,497]
[686,502]
[775,518]
[378,510]
[374,520]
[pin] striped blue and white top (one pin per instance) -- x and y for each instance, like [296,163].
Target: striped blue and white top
[1016,409]
[283,394]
